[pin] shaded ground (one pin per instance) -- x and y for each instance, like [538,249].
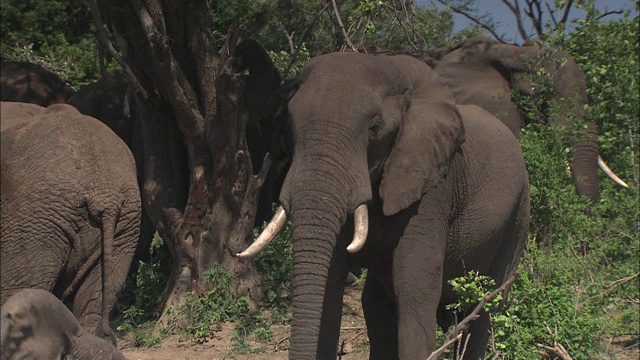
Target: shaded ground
[353,337]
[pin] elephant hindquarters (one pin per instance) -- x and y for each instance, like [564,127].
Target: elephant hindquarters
[98,292]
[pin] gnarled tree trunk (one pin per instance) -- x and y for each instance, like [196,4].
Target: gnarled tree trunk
[199,184]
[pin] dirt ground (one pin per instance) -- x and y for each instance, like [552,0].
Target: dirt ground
[353,339]
[353,336]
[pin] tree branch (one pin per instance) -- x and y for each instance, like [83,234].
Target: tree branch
[557,349]
[294,56]
[478,21]
[103,37]
[515,9]
[439,351]
[344,31]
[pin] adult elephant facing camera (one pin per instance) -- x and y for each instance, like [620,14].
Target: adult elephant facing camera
[446,191]
[70,209]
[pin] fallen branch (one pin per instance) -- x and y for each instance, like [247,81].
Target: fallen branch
[621,281]
[456,334]
[439,351]
[557,349]
[474,314]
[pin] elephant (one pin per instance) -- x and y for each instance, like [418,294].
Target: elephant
[70,205]
[35,325]
[107,101]
[483,72]
[390,174]
[22,81]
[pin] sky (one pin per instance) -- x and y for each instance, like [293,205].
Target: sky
[506,20]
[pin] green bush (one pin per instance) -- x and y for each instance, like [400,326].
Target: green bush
[275,262]
[199,317]
[140,300]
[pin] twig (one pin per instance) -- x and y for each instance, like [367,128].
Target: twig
[626,348]
[344,31]
[278,343]
[474,314]
[607,13]
[477,21]
[615,284]
[557,349]
[294,56]
[353,328]
[103,37]
[456,334]
[622,281]
[439,351]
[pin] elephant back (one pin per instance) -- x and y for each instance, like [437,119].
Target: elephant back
[105,101]
[59,148]
[14,119]
[26,82]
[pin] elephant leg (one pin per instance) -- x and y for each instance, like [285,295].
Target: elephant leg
[477,338]
[40,271]
[417,280]
[382,322]
[87,300]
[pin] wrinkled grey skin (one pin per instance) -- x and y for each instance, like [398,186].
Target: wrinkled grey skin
[70,209]
[446,187]
[105,100]
[35,325]
[21,81]
[483,72]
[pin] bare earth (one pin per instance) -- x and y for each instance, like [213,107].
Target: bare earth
[353,336]
[353,339]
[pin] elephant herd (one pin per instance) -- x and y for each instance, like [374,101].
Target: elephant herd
[409,168]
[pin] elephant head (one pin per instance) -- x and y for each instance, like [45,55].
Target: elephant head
[31,83]
[368,130]
[497,68]
[36,325]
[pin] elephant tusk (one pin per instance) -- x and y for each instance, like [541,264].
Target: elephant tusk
[361,228]
[607,170]
[268,234]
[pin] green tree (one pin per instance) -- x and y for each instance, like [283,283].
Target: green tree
[56,34]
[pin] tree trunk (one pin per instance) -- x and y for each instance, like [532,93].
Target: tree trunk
[198,183]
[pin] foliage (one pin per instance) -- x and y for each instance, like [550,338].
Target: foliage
[288,65]
[471,289]
[275,262]
[577,281]
[140,300]
[55,34]
[199,316]
[608,54]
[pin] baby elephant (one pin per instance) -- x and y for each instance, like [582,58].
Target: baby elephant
[36,325]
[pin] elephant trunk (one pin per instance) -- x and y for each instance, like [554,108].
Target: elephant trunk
[585,163]
[318,212]
[327,181]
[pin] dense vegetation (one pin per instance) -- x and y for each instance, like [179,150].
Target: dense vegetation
[578,284]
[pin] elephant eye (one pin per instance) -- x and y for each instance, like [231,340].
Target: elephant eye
[375,126]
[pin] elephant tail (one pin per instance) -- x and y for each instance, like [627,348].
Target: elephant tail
[109,221]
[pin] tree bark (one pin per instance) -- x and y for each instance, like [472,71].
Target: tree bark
[199,185]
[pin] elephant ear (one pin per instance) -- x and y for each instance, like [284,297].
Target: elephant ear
[420,159]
